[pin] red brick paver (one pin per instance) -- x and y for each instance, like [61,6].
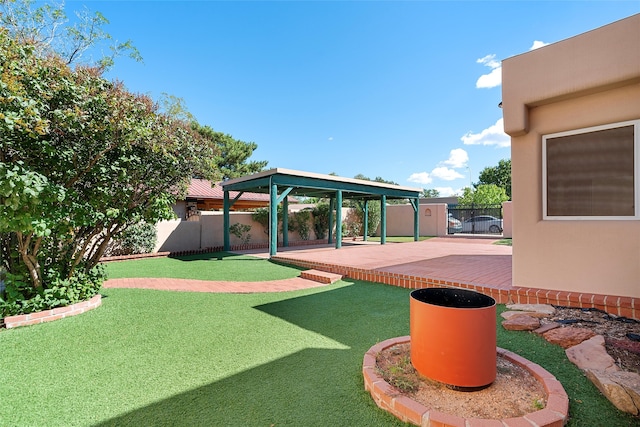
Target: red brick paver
[189,285]
[476,262]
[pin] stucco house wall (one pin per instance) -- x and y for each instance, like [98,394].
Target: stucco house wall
[589,80]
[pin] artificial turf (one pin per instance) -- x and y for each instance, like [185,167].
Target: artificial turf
[157,358]
[211,266]
[171,358]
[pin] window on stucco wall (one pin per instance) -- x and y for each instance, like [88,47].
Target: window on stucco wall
[591,173]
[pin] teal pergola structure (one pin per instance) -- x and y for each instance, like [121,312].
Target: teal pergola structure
[282,183]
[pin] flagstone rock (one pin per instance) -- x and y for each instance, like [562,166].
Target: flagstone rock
[630,381]
[549,326]
[509,314]
[568,336]
[538,308]
[617,393]
[521,323]
[592,355]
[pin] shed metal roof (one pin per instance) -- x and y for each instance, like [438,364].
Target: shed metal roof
[205,189]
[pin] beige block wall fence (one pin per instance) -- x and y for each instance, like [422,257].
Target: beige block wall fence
[206,230]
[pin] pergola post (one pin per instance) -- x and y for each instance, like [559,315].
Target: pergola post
[416,219]
[226,220]
[285,222]
[338,219]
[331,206]
[383,219]
[365,226]
[273,219]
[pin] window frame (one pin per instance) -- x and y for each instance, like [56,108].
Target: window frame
[636,171]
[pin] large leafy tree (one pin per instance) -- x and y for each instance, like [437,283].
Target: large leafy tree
[499,175]
[47,29]
[430,192]
[232,159]
[81,160]
[374,213]
[483,195]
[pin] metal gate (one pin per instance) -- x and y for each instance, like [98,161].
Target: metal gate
[475,219]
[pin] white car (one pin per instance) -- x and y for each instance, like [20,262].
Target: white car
[454,225]
[482,224]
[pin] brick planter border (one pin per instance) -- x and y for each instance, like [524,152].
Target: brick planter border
[555,413]
[53,314]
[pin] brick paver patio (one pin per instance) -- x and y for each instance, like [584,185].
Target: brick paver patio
[473,261]
[460,260]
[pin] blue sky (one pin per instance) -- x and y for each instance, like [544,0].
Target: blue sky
[407,91]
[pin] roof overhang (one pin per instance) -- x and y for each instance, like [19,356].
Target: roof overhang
[308,184]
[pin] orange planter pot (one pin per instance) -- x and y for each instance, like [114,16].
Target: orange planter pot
[453,336]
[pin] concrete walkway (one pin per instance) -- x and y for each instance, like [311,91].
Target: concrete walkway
[477,262]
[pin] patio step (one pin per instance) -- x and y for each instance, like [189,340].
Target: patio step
[320,276]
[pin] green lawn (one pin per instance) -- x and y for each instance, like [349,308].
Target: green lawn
[158,358]
[211,266]
[506,242]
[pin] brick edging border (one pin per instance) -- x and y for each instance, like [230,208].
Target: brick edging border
[617,305]
[53,314]
[554,414]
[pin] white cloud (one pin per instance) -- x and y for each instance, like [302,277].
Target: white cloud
[537,44]
[330,138]
[446,173]
[494,78]
[445,191]
[458,158]
[493,135]
[420,178]
[449,191]
[489,61]
[445,170]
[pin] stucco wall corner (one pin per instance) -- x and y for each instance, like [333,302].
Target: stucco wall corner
[515,120]
[515,114]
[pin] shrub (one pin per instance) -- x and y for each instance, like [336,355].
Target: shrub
[301,222]
[373,215]
[139,238]
[241,231]
[261,216]
[320,220]
[19,297]
[352,225]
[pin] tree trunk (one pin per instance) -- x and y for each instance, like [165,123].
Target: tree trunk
[30,259]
